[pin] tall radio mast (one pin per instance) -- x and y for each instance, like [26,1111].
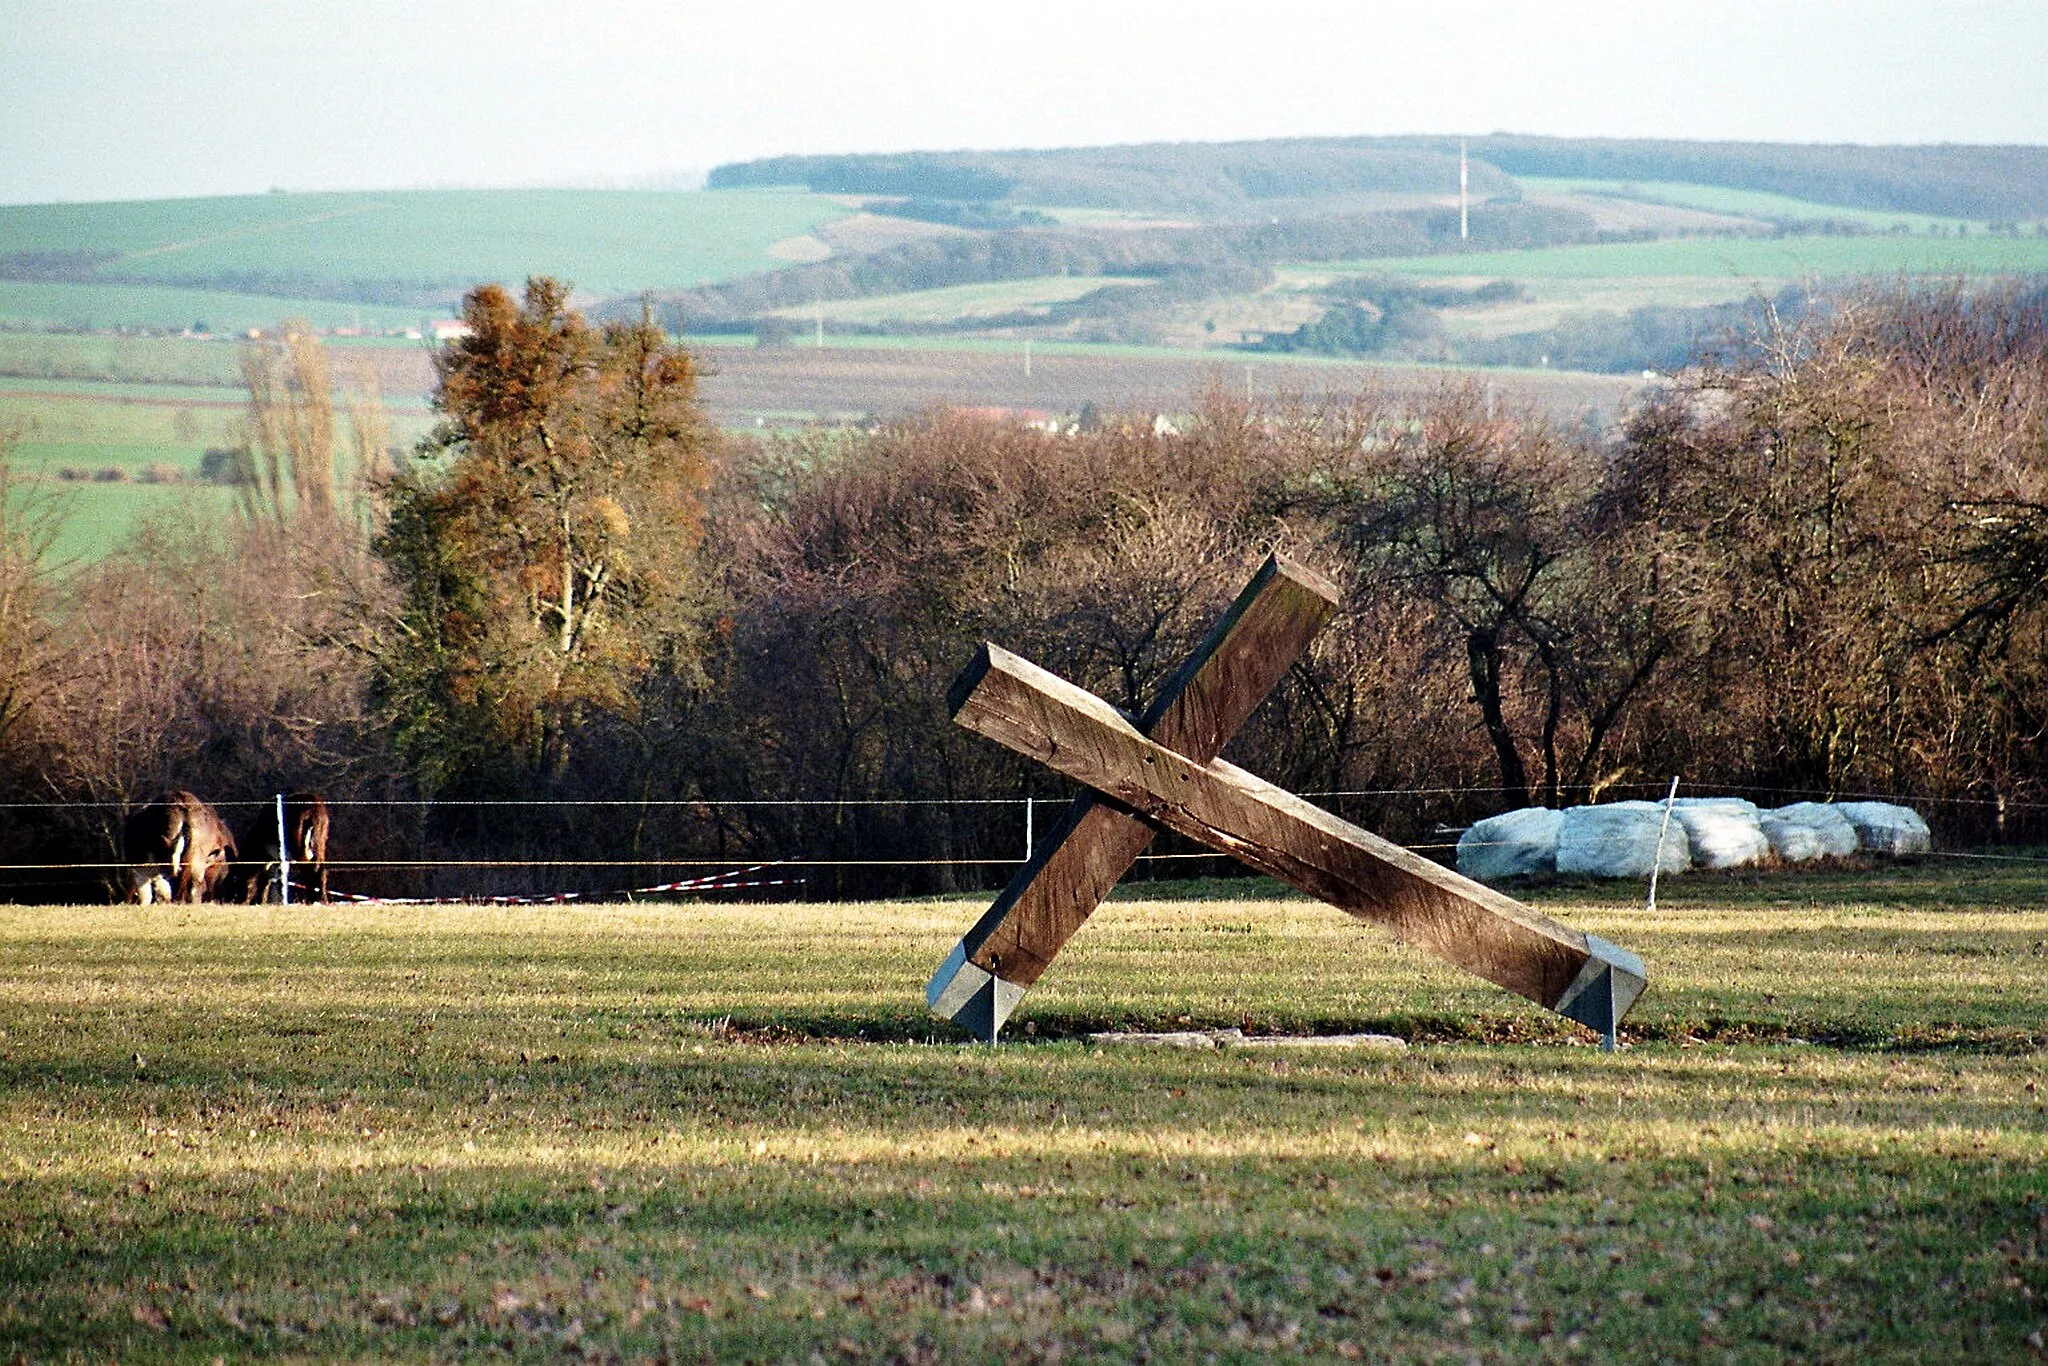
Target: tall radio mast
[1464,226]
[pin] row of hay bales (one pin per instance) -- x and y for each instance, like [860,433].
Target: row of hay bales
[1621,839]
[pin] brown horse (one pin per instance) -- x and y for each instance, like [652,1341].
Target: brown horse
[305,832]
[177,849]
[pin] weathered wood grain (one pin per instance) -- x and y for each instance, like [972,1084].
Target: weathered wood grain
[1094,844]
[1014,702]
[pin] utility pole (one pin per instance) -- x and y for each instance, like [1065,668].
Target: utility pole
[1464,224]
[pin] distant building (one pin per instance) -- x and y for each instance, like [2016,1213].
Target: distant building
[448,329]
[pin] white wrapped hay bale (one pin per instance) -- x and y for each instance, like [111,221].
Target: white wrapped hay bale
[1805,831]
[1882,828]
[1512,844]
[1620,840]
[1724,832]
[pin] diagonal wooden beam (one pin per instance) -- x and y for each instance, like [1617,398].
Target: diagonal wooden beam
[1038,714]
[1073,868]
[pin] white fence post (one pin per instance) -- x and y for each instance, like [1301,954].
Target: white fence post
[284,856]
[1028,838]
[1663,829]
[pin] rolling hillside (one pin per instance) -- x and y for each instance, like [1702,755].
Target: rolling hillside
[412,248]
[1137,273]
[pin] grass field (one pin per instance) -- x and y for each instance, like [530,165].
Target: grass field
[95,307]
[604,241]
[1745,258]
[1548,300]
[1758,204]
[725,1132]
[29,359]
[133,360]
[88,428]
[166,423]
[98,517]
[961,301]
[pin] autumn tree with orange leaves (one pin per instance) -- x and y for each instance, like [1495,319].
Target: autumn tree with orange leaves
[544,542]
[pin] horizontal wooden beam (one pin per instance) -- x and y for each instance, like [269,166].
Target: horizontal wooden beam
[1093,845]
[1018,704]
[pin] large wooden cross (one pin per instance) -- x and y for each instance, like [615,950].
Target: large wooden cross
[1161,769]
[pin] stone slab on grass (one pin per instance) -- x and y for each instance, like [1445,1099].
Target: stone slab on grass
[1237,1038]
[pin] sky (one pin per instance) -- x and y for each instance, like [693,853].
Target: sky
[128,99]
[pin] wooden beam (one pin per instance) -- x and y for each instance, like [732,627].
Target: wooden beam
[1094,844]
[1018,704]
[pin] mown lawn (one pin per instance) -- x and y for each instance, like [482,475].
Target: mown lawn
[727,1132]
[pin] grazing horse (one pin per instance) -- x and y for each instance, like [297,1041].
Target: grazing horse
[177,849]
[305,832]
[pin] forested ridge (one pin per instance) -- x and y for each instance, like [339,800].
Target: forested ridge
[1814,568]
[1959,180]
[1224,256]
[1211,178]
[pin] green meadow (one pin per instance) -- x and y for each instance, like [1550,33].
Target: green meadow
[85,307]
[1746,258]
[729,1132]
[604,241]
[126,359]
[1758,204]
[115,456]
[962,301]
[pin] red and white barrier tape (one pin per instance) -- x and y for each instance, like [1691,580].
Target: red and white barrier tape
[714,882]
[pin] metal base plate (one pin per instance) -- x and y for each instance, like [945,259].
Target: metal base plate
[1605,988]
[970,996]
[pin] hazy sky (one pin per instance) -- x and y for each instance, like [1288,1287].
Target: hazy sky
[138,98]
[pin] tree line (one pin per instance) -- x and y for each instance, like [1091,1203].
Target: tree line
[1214,178]
[1240,177]
[1818,566]
[1225,257]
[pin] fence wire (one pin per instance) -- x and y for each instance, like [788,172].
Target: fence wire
[730,875]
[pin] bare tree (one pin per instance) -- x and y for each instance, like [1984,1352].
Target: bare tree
[31,521]
[290,429]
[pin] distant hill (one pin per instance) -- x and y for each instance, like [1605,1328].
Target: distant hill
[1960,181]
[1222,256]
[1214,179]
[411,248]
[1241,178]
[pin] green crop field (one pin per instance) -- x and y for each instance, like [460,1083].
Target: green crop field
[45,418]
[45,414]
[109,307]
[1547,300]
[604,241]
[1746,258]
[144,360]
[99,516]
[1758,204]
[729,1132]
[961,301]
[118,455]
